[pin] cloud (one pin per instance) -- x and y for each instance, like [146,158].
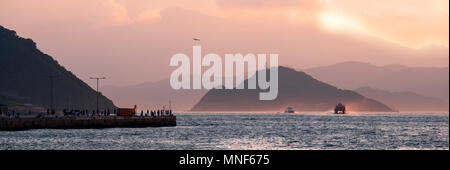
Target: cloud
[115,13]
[266,4]
[148,15]
[412,23]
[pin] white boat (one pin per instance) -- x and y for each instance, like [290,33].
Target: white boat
[289,110]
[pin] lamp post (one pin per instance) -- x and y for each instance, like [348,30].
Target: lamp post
[97,78]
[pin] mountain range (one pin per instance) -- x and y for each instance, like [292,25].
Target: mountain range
[405,101]
[27,74]
[397,98]
[425,81]
[296,89]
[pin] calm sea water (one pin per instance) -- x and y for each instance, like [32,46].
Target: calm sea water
[251,131]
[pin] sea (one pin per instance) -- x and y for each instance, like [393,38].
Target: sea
[255,131]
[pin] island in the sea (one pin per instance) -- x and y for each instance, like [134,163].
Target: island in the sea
[296,89]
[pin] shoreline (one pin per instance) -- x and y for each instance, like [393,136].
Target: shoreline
[18,124]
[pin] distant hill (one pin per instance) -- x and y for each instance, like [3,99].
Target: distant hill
[405,101]
[424,81]
[296,89]
[25,72]
[154,95]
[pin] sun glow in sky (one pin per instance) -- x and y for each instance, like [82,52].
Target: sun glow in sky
[339,22]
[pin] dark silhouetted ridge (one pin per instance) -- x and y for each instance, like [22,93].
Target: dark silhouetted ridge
[25,75]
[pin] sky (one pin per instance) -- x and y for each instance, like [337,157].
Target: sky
[131,41]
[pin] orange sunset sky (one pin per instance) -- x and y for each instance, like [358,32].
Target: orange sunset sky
[131,41]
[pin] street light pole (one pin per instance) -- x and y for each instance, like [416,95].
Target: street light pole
[97,78]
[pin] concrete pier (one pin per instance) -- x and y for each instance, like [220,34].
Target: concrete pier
[15,124]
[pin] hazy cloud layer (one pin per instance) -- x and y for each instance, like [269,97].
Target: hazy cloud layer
[268,4]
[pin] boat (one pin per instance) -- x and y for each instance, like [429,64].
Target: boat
[289,110]
[339,109]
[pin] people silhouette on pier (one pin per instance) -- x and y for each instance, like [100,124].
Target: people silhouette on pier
[51,113]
